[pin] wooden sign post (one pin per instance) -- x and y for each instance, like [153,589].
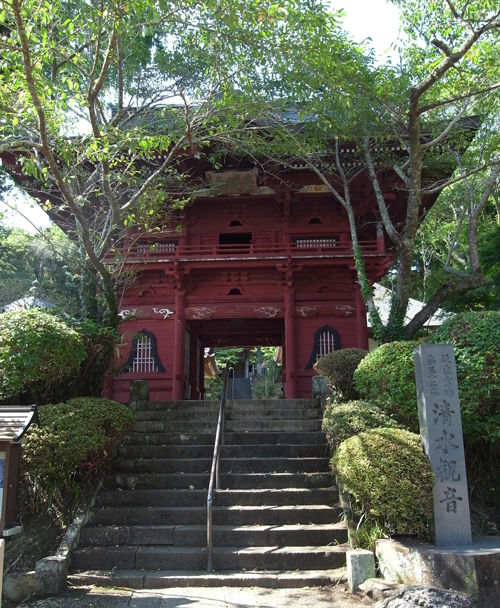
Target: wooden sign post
[14,422]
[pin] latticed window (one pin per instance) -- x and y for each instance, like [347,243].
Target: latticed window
[165,246]
[314,242]
[326,340]
[326,343]
[158,247]
[143,356]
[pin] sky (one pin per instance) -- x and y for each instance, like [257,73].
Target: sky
[375,19]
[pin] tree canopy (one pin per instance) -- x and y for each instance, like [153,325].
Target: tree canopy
[102,102]
[86,113]
[49,259]
[437,110]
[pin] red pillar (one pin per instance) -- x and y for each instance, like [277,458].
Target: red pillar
[179,348]
[290,346]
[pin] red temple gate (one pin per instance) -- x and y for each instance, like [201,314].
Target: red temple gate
[274,267]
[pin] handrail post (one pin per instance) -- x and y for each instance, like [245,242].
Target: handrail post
[223,415]
[209,534]
[214,471]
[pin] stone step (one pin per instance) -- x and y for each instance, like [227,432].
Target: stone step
[227,465]
[233,515]
[256,497]
[276,513]
[194,558]
[228,481]
[235,426]
[211,415]
[315,450]
[223,535]
[231,438]
[230,403]
[163,579]
[239,388]
[203,415]
[309,413]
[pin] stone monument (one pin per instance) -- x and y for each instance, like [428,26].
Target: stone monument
[442,441]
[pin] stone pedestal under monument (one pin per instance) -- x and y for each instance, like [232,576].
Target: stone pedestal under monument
[473,569]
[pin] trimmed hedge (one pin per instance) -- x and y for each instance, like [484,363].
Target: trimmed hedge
[38,353]
[347,419]
[386,377]
[476,339]
[390,479]
[73,443]
[338,368]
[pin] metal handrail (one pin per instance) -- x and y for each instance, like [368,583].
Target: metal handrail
[214,471]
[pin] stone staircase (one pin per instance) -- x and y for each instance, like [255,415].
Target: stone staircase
[276,518]
[239,388]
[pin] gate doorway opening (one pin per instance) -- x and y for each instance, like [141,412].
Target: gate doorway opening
[253,349]
[254,372]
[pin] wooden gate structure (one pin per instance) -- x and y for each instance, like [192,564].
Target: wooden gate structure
[252,260]
[255,258]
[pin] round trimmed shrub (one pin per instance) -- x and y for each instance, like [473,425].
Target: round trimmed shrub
[37,352]
[476,339]
[74,441]
[390,479]
[347,419]
[386,377]
[338,368]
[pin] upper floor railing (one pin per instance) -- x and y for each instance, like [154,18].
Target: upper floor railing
[141,252]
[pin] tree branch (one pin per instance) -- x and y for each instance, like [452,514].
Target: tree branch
[460,178]
[444,102]
[450,60]
[389,226]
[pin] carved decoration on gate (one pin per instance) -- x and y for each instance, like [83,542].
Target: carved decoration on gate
[347,309]
[203,312]
[166,312]
[126,313]
[306,311]
[267,311]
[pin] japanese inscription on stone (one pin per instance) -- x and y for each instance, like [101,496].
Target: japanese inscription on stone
[442,440]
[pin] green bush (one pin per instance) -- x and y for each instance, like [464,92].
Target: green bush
[386,377]
[265,388]
[347,419]
[73,443]
[38,353]
[476,339]
[213,388]
[99,342]
[390,480]
[338,368]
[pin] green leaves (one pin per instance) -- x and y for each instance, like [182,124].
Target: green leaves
[36,351]
[386,378]
[390,479]
[75,440]
[344,420]
[338,368]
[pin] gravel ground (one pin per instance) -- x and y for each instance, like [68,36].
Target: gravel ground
[222,597]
